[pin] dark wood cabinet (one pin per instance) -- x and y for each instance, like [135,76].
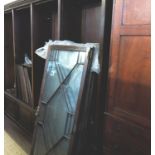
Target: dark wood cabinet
[128,103]
[31,23]
[120,118]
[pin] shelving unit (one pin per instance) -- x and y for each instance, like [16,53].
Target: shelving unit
[31,23]
[45,25]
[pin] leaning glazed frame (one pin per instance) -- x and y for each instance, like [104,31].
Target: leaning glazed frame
[48,144]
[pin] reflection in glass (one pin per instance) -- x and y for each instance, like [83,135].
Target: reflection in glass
[59,66]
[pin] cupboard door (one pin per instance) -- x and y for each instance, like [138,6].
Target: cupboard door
[129,93]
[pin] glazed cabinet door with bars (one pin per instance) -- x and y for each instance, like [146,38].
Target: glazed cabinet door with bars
[61,99]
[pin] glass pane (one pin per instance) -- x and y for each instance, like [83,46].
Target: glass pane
[72,87]
[62,149]
[50,87]
[61,108]
[59,66]
[39,147]
[55,119]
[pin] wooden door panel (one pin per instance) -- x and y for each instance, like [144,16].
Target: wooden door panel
[129,80]
[129,72]
[133,14]
[132,87]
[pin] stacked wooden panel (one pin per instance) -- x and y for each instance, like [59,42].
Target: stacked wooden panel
[24,91]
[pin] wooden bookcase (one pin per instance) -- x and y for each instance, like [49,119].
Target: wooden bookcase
[28,24]
[31,23]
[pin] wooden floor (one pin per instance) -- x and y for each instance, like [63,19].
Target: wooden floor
[15,141]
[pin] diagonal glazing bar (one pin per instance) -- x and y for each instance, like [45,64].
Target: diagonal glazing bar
[68,76]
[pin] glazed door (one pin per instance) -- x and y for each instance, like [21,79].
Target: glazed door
[62,86]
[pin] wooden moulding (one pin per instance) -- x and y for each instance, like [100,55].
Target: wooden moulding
[22,3]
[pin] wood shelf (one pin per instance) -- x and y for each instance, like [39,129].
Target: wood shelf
[31,23]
